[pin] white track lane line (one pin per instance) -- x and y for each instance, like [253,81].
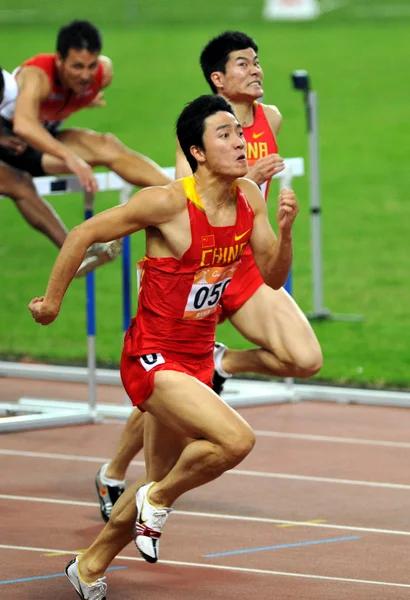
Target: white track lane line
[178,563]
[332,439]
[241,518]
[238,472]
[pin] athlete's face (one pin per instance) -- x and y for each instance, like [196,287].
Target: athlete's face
[243,76]
[224,146]
[78,70]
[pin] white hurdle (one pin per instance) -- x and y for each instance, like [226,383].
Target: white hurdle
[39,413]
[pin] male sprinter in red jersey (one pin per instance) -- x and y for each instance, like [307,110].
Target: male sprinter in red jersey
[266,317]
[18,185]
[196,231]
[287,345]
[53,87]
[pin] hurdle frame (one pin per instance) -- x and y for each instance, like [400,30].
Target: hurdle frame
[40,415]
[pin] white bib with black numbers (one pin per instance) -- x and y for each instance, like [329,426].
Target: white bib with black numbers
[208,286]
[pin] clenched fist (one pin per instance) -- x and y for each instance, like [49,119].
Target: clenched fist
[287,210]
[42,312]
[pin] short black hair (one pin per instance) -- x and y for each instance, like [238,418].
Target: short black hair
[190,125]
[216,53]
[78,35]
[1,85]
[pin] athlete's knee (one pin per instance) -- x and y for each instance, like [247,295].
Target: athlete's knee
[110,147]
[308,361]
[237,445]
[16,184]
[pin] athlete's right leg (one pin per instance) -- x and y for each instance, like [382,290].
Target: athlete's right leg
[131,442]
[118,532]
[19,186]
[110,479]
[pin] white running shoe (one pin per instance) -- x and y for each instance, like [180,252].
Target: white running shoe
[87,591]
[148,525]
[98,254]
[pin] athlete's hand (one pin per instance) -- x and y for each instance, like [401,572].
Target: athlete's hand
[13,143]
[42,312]
[98,101]
[265,168]
[287,210]
[84,172]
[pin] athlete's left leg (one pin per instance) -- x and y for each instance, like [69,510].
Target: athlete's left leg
[161,456]
[104,149]
[288,346]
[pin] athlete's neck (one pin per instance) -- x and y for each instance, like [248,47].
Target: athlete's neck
[214,191]
[244,111]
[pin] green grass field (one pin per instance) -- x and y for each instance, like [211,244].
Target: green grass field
[358,63]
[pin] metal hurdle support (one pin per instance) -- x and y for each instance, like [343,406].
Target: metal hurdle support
[41,414]
[301,82]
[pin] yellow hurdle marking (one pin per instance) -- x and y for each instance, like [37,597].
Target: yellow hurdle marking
[63,553]
[302,523]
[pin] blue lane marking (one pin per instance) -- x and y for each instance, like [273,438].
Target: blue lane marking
[47,576]
[328,541]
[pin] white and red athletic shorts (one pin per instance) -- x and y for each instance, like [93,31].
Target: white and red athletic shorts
[137,372]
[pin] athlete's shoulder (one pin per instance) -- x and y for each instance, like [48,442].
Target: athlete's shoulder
[176,192]
[273,116]
[249,189]
[107,70]
[245,184]
[45,62]
[167,201]
[39,68]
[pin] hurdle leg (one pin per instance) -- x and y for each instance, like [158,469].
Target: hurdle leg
[125,194]
[285,182]
[91,323]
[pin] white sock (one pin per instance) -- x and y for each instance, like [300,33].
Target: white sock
[218,362]
[107,480]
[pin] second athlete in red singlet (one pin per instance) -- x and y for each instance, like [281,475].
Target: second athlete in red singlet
[260,142]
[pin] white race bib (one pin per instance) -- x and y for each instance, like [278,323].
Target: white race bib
[207,289]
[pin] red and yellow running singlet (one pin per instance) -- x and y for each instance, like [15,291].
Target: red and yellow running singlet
[260,141]
[178,299]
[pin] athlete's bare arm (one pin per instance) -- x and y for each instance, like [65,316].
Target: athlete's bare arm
[99,101]
[34,88]
[108,71]
[154,206]
[272,254]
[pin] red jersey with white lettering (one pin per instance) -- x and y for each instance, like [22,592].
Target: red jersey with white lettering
[62,101]
[260,142]
[178,299]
